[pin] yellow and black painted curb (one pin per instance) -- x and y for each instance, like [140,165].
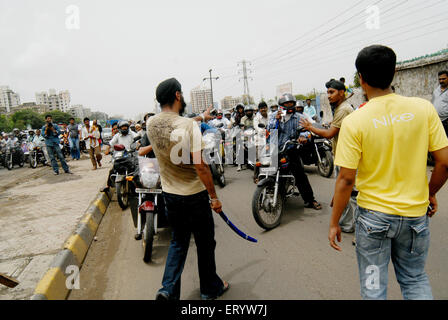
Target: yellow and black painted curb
[53,285]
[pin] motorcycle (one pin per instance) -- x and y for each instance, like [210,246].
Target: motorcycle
[249,146]
[82,147]
[14,155]
[124,162]
[319,152]
[26,147]
[37,156]
[2,155]
[214,151]
[276,185]
[148,214]
[65,147]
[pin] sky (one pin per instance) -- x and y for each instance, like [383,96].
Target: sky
[113,57]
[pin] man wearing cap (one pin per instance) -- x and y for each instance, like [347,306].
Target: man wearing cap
[188,192]
[341,109]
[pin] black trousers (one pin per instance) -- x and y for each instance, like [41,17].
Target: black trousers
[445,126]
[190,215]
[298,171]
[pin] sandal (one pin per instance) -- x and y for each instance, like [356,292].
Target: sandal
[224,289]
[314,205]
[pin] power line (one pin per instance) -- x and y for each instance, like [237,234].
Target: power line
[323,33]
[325,43]
[305,34]
[334,38]
[338,57]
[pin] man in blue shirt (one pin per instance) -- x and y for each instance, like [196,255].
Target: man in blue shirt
[51,134]
[286,126]
[310,110]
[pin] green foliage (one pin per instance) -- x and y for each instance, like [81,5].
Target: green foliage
[59,116]
[6,124]
[309,95]
[357,83]
[300,97]
[21,119]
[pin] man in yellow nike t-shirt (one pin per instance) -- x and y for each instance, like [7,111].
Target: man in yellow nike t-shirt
[384,147]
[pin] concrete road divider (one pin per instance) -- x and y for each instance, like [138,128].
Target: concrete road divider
[63,273]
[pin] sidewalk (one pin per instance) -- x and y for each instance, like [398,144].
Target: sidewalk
[38,212]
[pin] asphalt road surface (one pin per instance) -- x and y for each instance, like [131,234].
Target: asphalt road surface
[292,262]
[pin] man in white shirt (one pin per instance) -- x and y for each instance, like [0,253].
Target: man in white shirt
[91,135]
[39,141]
[124,137]
[220,120]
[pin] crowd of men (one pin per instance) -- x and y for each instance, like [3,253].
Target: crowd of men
[389,209]
[393,201]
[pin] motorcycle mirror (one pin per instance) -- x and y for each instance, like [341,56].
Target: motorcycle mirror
[220,125]
[137,138]
[261,126]
[119,147]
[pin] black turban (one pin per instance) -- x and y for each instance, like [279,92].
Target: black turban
[334,84]
[166,91]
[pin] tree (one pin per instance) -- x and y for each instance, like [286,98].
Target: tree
[6,124]
[357,83]
[59,116]
[301,97]
[23,118]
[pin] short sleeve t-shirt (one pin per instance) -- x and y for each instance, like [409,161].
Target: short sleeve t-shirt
[73,131]
[173,138]
[388,141]
[144,142]
[340,114]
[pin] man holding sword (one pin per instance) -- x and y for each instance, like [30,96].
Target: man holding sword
[188,191]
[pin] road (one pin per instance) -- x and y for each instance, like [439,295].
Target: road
[291,262]
[38,212]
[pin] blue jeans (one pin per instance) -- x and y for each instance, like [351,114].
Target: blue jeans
[380,237]
[53,152]
[74,148]
[187,215]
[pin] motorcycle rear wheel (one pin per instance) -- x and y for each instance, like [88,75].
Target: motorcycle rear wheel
[267,220]
[148,237]
[122,194]
[326,168]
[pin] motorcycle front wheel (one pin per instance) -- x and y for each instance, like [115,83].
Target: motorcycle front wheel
[33,161]
[221,178]
[148,237]
[122,194]
[267,216]
[8,163]
[326,166]
[22,161]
